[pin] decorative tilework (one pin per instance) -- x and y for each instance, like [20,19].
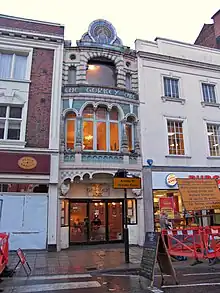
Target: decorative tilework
[102,158]
[69,157]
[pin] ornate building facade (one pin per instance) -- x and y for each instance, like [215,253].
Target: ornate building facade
[99,135]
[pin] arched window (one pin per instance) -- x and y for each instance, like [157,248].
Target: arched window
[130,133]
[72,75]
[70,130]
[100,129]
[128,81]
[101,73]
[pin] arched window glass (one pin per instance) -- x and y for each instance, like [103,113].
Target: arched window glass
[130,133]
[70,130]
[72,75]
[100,129]
[128,81]
[101,73]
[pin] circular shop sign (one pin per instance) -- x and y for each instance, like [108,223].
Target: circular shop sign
[171,180]
[27,163]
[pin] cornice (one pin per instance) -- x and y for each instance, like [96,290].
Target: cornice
[178,61]
[21,34]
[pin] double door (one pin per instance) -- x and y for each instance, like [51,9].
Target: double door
[96,221]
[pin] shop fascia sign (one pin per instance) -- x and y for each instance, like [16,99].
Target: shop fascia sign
[171,179]
[98,91]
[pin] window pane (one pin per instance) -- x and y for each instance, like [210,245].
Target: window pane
[88,112]
[14,130]
[132,216]
[5,65]
[70,136]
[129,136]
[101,113]
[2,128]
[171,87]
[15,112]
[113,115]
[114,137]
[3,111]
[101,136]
[214,139]
[88,135]
[72,75]
[20,67]
[128,81]
[175,137]
[101,74]
[208,91]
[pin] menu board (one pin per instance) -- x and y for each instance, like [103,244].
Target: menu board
[199,194]
[149,255]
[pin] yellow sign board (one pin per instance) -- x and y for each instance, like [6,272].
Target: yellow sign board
[127,183]
[199,194]
[27,163]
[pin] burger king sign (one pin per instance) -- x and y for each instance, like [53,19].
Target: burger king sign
[171,180]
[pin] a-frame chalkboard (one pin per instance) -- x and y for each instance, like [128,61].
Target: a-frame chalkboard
[155,249]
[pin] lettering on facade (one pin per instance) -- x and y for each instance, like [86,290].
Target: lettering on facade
[99,91]
[27,163]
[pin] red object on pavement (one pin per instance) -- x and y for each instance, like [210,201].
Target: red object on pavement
[3,251]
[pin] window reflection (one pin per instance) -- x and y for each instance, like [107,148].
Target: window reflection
[102,74]
[70,130]
[100,129]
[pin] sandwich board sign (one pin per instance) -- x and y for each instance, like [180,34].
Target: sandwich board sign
[154,250]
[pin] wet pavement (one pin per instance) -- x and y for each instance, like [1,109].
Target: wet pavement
[77,260]
[87,283]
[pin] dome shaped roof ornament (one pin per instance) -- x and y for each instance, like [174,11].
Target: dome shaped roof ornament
[100,33]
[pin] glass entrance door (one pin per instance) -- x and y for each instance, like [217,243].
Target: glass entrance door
[97,217]
[96,221]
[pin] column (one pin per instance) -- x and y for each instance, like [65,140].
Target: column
[136,138]
[62,133]
[53,217]
[148,200]
[124,138]
[78,134]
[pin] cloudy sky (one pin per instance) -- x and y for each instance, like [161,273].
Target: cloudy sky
[142,19]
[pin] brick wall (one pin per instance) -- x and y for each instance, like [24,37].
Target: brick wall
[39,104]
[207,36]
[31,26]
[216,19]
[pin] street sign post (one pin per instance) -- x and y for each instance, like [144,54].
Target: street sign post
[121,181]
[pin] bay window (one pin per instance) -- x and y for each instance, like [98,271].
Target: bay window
[100,129]
[13,66]
[70,130]
[10,122]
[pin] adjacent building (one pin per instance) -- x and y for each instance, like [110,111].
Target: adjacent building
[209,35]
[179,93]
[31,54]
[99,135]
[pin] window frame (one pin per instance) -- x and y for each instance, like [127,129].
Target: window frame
[66,119]
[171,78]
[7,119]
[108,139]
[128,74]
[132,134]
[12,68]
[185,136]
[209,84]
[214,123]
[134,211]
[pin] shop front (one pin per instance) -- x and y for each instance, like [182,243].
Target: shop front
[93,212]
[24,181]
[167,199]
